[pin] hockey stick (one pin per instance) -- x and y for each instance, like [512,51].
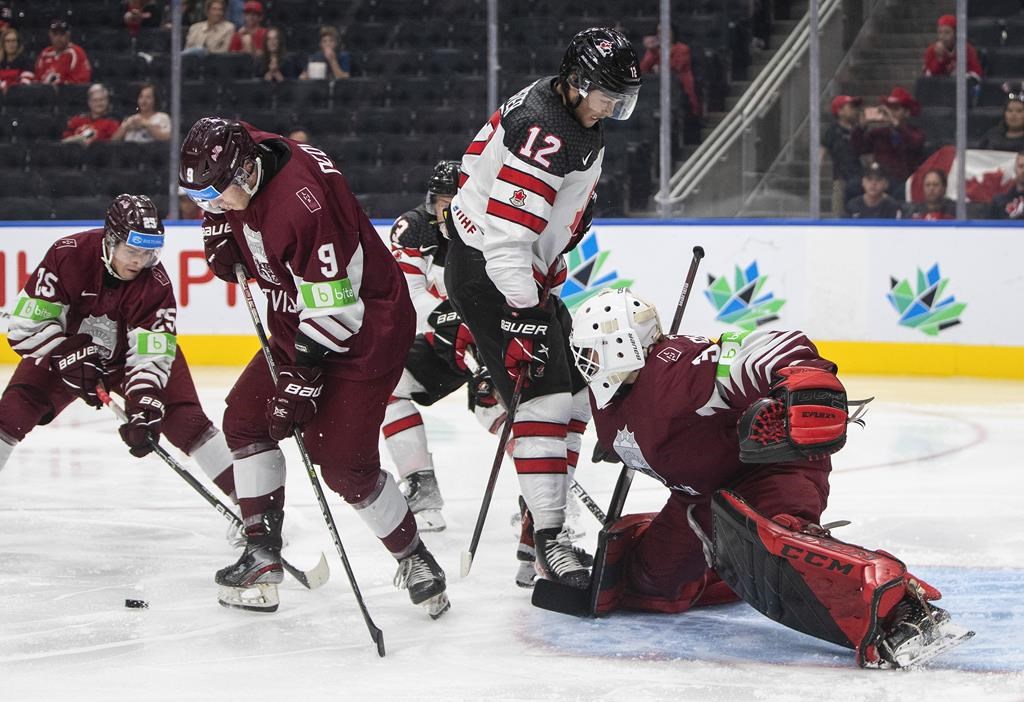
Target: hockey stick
[473,364]
[310,579]
[375,633]
[558,597]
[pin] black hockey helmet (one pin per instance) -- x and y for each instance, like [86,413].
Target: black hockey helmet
[213,157]
[445,179]
[132,220]
[601,58]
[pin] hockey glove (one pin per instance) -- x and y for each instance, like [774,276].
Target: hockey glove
[294,401]
[145,412]
[804,418]
[222,254]
[484,402]
[78,361]
[526,348]
[452,337]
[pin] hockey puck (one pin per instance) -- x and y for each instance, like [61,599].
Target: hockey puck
[136,604]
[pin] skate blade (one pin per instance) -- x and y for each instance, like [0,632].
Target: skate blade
[437,605]
[927,646]
[429,520]
[258,598]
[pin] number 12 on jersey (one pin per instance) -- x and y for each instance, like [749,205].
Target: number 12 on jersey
[553,145]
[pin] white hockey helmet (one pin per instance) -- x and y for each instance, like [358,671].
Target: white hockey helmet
[611,334]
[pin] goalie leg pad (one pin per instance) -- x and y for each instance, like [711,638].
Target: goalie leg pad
[815,584]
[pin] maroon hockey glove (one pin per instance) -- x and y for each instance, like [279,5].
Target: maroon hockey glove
[452,337]
[805,418]
[78,361]
[145,412]
[222,254]
[294,401]
[526,348]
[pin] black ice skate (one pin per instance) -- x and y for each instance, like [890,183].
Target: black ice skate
[526,551]
[422,576]
[424,499]
[558,560]
[251,583]
[917,632]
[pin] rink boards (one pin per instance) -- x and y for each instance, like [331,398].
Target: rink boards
[905,298]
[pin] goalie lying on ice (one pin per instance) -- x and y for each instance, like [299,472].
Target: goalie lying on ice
[740,431]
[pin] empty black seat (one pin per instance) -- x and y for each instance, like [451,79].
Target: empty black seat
[251,94]
[25,208]
[225,68]
[79,208]
[1006,62]
[62,184]
[37,97]
[408,151]
[935,91]
[56,156]
[13,157]
[299,96]
[350,151]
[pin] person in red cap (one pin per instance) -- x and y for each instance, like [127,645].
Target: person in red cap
[940,57]
[62,61]
[251,35]
[837,141]
[895,144]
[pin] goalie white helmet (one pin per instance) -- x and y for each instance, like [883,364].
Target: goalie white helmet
[611,334]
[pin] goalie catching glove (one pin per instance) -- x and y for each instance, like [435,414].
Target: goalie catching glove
[804,418]
[294,401]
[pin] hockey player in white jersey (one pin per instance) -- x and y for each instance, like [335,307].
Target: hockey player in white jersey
[440,360]
[526,182]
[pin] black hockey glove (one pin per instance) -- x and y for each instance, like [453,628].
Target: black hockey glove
[145,412]
[222,254]
[481,390]
[526,346]
[78,361]
[294,401]
[452,337]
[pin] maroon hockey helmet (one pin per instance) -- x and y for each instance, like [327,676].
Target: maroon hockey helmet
[213,157]
[132,221]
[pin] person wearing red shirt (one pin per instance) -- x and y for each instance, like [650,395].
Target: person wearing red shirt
[250,38]
[887,133]
[940,57]
[678,60]
[94,125]
[62,61]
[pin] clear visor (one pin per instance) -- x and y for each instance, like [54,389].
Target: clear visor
[607,103]
[141,248]
[204,198]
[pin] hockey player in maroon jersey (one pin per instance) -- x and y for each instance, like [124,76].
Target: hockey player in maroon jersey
[99,308]
[437,364]
[527,180]
[740,431]
[341,325]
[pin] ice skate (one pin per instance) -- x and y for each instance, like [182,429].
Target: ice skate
[526,550]
[425,501]
[916,633]
[235,535]
[559,560]
[251,582]
[422,576]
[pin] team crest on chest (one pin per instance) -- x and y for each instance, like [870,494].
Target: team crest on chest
[518,198]
[103,331]
[254,240]
[625,444]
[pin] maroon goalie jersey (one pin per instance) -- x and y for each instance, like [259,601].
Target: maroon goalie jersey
[677,422]
[70,292]
[323,267]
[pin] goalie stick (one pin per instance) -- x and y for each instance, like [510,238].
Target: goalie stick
[310,579]
[375,633]
[565,599]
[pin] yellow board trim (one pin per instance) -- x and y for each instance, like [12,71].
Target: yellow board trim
[859,357]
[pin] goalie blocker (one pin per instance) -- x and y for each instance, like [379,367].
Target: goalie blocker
[829,589]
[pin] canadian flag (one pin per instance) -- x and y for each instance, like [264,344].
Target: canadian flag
[989,173]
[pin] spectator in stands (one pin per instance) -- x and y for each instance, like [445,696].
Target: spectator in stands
[251,36]
[6,16]
[940,57]
[936,205]
[276,63]
[299,134]
[1010,205]
[875,203]
[62,61]
[838,142]
[15,63]
[212,35]
[139,14]
[94,125]
[893,142]
[147,124]
[678,60]
[331,61]
[1008,135]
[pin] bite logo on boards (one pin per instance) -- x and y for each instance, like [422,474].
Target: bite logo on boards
[746,302]
[923,306]
[587,273]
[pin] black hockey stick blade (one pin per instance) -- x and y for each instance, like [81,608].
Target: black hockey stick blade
[378,638]
[314,577]
[558,597]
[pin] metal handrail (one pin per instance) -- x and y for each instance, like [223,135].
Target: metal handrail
[761,95]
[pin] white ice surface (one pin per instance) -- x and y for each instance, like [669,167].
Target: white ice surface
[936,478]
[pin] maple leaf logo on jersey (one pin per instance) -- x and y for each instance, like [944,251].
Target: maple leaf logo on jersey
[518,198]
